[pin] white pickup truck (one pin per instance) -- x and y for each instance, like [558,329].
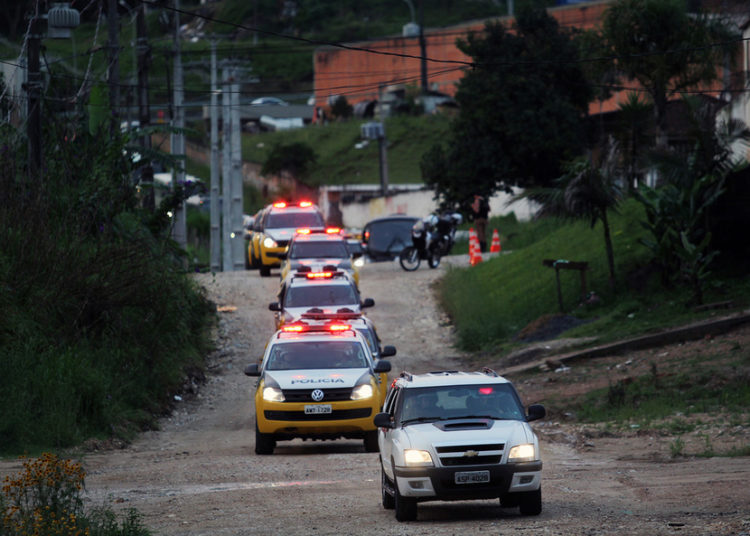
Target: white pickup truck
[455,436]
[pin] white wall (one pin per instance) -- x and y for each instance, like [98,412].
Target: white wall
[414,203]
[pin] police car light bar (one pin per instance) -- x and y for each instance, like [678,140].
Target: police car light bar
[304,231]
[312,314]
[305,204]
[333,230]
[302,327]
[279,204]
[319,275]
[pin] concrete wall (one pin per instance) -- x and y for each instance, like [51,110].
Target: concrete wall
[418,203]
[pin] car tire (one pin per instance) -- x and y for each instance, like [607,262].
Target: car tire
[371,441]
[409,258]
[265,271]
[389,502]
[264,443]
[406,507]
[530,503]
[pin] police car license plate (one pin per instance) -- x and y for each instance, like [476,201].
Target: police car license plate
[472,477]
[318,409]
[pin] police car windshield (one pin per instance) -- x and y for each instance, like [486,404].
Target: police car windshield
[370,338]
[495,401]
[320,296]
[286,220]
[317,355]
[311,250]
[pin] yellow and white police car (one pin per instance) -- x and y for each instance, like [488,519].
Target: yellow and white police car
[274,227]
[458,435]
[316,381]
[329,291]
[319,248]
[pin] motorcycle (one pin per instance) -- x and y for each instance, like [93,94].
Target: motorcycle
[432,238]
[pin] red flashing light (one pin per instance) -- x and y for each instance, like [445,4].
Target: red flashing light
[319,275]
[305,204]
[485,390]
[293,328]
[280,204]
[339,327]
[333,230]
[304,231]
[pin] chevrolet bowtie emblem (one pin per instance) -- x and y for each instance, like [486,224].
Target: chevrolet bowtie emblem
[471,454]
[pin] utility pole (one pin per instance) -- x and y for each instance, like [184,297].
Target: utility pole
[113,70]
[238,238]
[215,171]
[422,49]
[177,141]
[226,171]
[34,89]
[144,115]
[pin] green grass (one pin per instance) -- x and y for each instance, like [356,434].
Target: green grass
[340,162]
[491,302]
[705,385]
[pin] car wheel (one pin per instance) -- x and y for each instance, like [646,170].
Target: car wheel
[264,443]
[409,258]
[265,271]
[530,503]
[386,490]
[406,507]
[371,441]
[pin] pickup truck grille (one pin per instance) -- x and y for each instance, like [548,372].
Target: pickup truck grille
[330,395]
[340,414]
[457,455]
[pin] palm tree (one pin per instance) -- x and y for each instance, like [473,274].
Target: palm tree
[588,190]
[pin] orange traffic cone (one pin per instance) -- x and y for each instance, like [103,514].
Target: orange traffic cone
[475,254]
[495,247]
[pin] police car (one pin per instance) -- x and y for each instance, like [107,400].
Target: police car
[365,327]
[274,227]
[328,291]
[319,247]
[455,436]
[317,381]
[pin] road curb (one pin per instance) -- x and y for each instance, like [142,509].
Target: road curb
[690,332]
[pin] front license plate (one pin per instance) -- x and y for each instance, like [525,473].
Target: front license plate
[472,477]
[317,409]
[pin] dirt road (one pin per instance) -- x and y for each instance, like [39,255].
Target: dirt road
[199,475]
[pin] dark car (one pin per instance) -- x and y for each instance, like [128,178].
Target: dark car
[384,238]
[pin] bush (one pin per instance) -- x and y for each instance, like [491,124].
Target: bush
[86,348]
[45,499]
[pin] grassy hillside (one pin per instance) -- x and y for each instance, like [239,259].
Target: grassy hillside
[493,301]
[341,162]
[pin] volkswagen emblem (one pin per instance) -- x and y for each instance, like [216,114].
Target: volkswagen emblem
[317,395]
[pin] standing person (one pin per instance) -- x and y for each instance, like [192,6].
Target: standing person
[481,212]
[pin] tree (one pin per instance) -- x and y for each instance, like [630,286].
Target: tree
[295,158]
[588,190]
[678,212]
[522,106]
[665,49]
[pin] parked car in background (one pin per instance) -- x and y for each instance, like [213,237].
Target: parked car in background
[383,239]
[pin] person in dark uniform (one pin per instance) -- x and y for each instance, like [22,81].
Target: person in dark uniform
[481,213]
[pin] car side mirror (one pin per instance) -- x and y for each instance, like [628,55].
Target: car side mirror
[368,302]
[381,365]
[274,306]
[536,411]
[388,351]
[252,370]
[383,420]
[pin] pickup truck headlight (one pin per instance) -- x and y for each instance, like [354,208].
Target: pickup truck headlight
[522,453]
[269,242]
[419,458]
[362,391]
[273,394]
